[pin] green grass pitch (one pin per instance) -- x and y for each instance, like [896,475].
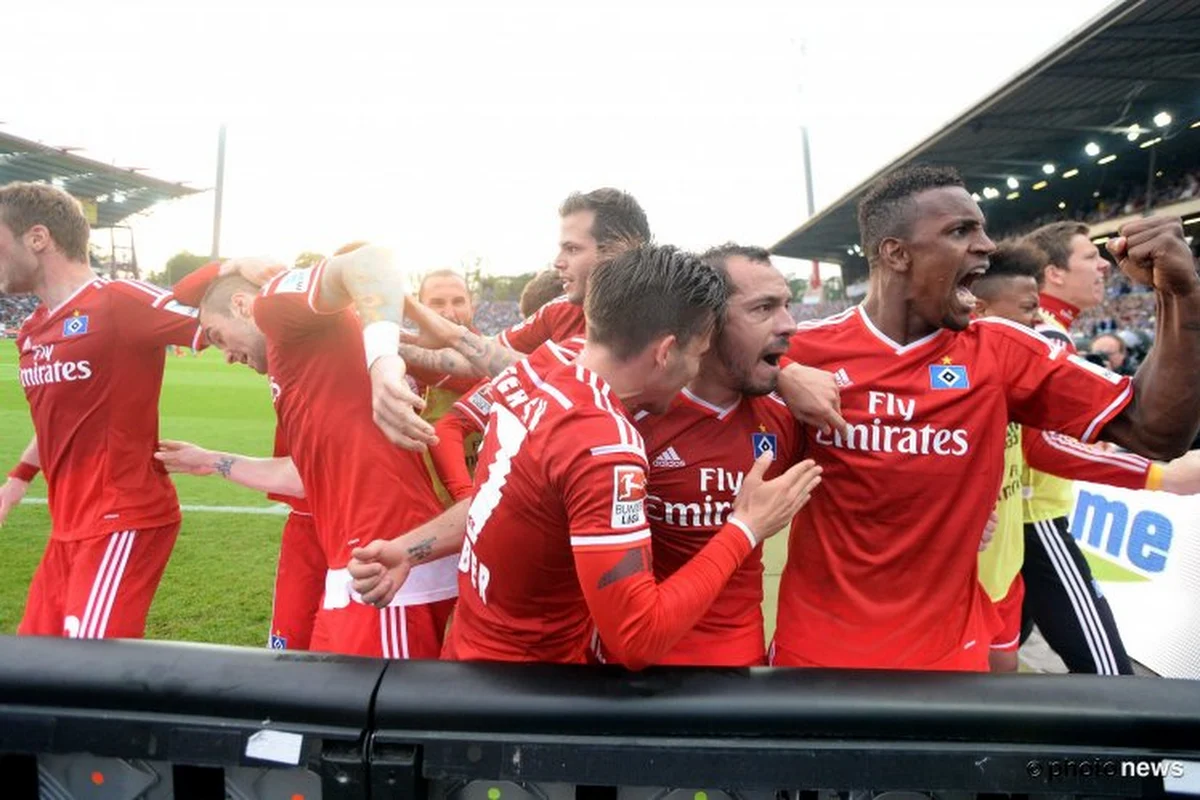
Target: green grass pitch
[217,587]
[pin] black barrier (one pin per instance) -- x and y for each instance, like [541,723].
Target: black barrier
[149,720]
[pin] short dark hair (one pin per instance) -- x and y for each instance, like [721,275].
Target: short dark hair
[1013,258]
[887,207]
[649,292]
[23,205]
[1055,241]
[619,220]
[219,297]
[716,257]
[541,289]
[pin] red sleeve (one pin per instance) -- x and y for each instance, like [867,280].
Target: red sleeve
[1049,389]
[639,620]
[191,288]
[153,317]
[526,335]
[287,307]
[449,454]
[1067,458]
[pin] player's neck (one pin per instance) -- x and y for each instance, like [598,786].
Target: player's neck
[894,318]
[61,278]
[713,387]
[624,379]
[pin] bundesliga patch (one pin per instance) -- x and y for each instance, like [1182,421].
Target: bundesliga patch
[763,443]
[948,376]
[296,281]
[75,326]
[278,642]
[481,403]
[629,498]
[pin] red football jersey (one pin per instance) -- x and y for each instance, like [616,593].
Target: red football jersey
[298,504]
[557,535]
[92,371]
[360,486]
[699,454]
[1064,457]
[882,561]
[557,321]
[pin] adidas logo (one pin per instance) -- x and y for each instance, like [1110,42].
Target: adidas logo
[842,378]
[669,459]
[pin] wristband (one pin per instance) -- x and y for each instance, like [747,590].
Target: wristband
[24,471]
[744,528]
[381,339]
[1154,477]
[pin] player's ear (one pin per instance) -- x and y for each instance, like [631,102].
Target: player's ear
[662,350]
[981,307]
[894,255]
[242,304]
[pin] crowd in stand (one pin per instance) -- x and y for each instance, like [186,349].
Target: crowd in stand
[491,317]
[14,309]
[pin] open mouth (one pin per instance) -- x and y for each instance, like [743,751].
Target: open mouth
[771,357]
[962,291]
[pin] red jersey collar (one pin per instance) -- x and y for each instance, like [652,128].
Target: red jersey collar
[1061,310]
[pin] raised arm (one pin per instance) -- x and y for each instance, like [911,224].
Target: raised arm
[1163,417]
[487,357]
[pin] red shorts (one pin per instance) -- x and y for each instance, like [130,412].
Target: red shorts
[98,588]
[299,583]
[392,632]
[1008,639]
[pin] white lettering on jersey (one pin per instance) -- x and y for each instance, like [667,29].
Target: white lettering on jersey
[880,438]
[55,372]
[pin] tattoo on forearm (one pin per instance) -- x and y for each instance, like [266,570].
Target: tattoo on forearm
[421,551]
[486,354]
[632,563]
[443,362]
[224,466]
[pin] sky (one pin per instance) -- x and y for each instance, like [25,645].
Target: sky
[451,131]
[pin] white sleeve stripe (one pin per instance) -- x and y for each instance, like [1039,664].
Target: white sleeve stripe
[1094,428]
[1052,351]
[1133,463]
[154,292]
[611,539]
[315,282]
[502,338]
[199,336]
[744,529]
[609,449]
[469,411]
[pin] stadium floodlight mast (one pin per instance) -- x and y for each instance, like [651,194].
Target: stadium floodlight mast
[991,192]
[1134,132]
[1012,182]
[1048,169]
[976,197]
[1092,149]
[1162,119]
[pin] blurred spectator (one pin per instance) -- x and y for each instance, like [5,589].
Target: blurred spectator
[494,316]
[13,311]
[1110,351]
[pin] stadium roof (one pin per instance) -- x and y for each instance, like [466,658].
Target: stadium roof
[1137,59]
[109,193]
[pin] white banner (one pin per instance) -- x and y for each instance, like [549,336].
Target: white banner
[1144,549]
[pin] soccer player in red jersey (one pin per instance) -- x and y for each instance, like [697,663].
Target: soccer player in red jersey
[882,571]
[557,532]
[302,330]
[596,226]
[701,450]
[91,363]
[300,571]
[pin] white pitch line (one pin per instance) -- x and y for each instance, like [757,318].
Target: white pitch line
[279,509]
